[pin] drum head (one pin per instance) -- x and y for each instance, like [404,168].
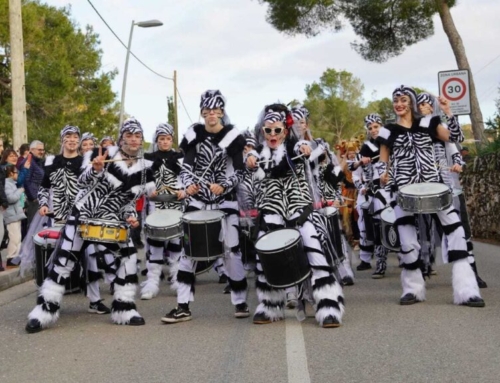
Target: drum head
[276,240]
[330,210]
[388,215]
[164,218]
[424,188]
[203,216]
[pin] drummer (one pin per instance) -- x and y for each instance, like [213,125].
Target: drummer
[408,144]
[286,201]
[166,167]
[108,191]
[213,167]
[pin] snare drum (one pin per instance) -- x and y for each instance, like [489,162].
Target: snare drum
[202,230]
[104,231]
[390,234]
[426,197]
[368,220]
[283,259]
[163,225]
[332,215]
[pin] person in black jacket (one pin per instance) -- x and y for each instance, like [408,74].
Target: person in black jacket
[34,162]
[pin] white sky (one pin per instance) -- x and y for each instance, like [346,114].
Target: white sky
[227,45]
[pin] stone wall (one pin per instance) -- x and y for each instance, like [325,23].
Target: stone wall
[481,184]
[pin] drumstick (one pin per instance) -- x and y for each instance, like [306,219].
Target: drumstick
[294,158]
[194,175]
[168,188]
[122,159]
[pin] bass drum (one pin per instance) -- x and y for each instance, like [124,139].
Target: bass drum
[390,234]
[204,266]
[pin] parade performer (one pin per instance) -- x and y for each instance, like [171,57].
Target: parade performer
[212,168]
[166,169]
[108,191]
[286,201]
[409,145]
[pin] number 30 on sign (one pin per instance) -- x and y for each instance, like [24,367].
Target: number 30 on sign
[454,86]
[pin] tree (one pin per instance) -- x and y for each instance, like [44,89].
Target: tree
[335,104]
[171,110]
[386,28]
[64,80]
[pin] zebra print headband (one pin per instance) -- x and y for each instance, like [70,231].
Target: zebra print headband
[163,129]
[272,116]
[299,113]
[68,129]
[371,118]
[425,97]
[410,92]
[109,138]
[250,139]
[212,99]
[131,125]
[88,136]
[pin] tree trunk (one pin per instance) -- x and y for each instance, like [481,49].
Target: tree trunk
[458,48]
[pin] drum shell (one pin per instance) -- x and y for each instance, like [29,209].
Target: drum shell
[285,267]
[335,231]
[203,266]
[389,234]
[101,231]
[368,220]
[425,204]
[247,247]
[201,240]
[165,232]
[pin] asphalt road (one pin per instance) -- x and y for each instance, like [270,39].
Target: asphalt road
[379,341]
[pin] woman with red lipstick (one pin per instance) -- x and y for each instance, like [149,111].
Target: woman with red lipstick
[409,145]
[285,201]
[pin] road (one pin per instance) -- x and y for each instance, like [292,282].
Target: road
[379,341]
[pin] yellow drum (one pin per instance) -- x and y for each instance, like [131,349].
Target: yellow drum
[102,230]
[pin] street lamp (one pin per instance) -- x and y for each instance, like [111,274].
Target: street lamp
[142,24]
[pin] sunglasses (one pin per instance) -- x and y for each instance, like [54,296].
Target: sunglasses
[277,131]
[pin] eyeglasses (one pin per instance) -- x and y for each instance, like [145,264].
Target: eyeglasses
[276,131]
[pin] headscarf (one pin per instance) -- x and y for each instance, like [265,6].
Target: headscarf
[130,125]
[213,99]
[371,118]
[69,129]
[410,92]
[161,129]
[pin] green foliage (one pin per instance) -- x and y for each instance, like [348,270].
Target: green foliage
[64,80]
[386,27]
[171,111]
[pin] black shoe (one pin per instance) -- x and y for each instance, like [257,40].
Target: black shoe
[33,326]
[223,278]
[408,299]
[261,318]
[474,302]
[242,311]
[331,321]
[177,315]
[482,284]
[139,245]
[144,272]
[347,281]
[378,274]
[10,264]
[137,321]
[363,266]
[98,308]
[227,289]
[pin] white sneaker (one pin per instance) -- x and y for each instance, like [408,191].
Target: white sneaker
[147,296]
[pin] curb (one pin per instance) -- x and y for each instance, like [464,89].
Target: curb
[12,277]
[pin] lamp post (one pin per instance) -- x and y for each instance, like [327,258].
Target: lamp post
[142,24]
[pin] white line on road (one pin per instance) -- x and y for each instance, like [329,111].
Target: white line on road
[298,371]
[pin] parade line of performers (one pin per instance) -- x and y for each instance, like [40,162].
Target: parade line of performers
[267,201]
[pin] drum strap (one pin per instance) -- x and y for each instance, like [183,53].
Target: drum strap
[302,218]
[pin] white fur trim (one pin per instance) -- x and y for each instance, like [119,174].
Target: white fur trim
[123,317]
[228,138]
[44,317]
[115,182]
[275,314]
[151,286]
[49,160]
[125,293]
[464,282]
[299,144]
[135,168]
[272,296]
[51,291]
[372,147]
[316,153]
[332,292]
[260,174]
[425,121]
[190,135]
[384,133]
[413,282]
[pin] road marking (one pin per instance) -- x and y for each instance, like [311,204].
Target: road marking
[296,358]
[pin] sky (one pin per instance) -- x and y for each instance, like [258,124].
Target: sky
[228,45]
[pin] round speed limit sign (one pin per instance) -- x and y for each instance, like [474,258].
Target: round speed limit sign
[454,89]
[454,86]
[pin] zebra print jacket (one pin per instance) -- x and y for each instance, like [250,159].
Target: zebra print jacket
[216,158]
[111,194]
[59,186]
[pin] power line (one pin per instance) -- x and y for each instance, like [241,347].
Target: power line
[184,106]
[132,53]
[487,65]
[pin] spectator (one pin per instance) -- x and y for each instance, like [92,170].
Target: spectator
[1,146]
[465,154]
[14,213]
[106,141]
[34,164]
[24,150]
[3,206]
[10,157]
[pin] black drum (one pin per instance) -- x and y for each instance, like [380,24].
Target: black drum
[368,219]
[283,259]
[333,220]
[203,266]
[390,234]
[45,242]
[202,232]
[248,253]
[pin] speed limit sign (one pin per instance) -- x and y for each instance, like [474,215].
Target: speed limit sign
[454,86]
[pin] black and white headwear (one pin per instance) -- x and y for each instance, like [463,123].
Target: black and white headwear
[371,118]
[431,100]
[69,129]
[272,113]
[130,125]
[106,138]
[410,92]
[250,138]
[213,99]
[161,130]
[300,112]
[88,136]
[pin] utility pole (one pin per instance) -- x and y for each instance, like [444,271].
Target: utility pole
[176,120]
[19,124]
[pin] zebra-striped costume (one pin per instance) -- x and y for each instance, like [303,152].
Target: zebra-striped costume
[283,197]
[166,169]
[413,161]
[107,195]
[218,159]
